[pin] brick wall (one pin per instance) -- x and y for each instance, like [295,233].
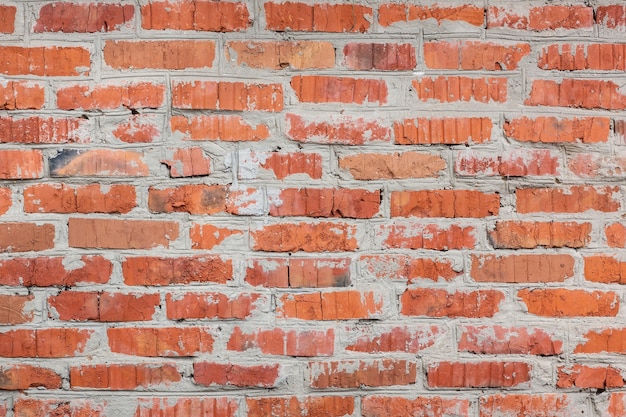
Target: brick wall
[247,209]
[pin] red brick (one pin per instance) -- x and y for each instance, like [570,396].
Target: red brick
[575,199]
[138,128]
[207,236]
[557,130]
[22,164]
[123,377]
[474,55]
[165,54]
[281,165]
[26,237]
[396,339]
[391,13]
[7,18]
[577,93]
[188,162]
[581,376]
[83,18]
[210,373]
[63,198]
[326,202]
[478,374]
[610,340]
[110,97]
[529,235]
[595,56]
[227,95]
[373,166]
[103,306]
[52,271]
[162,341]
[329,406]
[276,55]
[211,305]
[284,342]
[441,303]
[337,129]
[327,89]
[147,270]
[427,236]
[38,130]
[14,309]
[611,16]
[379,56]
[544,404]
[43,343]
[615,235]
[21,95]
[560,302]
[187,407]
[98,163]
[47,61]
[31,407]
[307,237]
[337,305]
[509,163]
[381,406]
[598,165]
[499,340]
[218,127]
[121,234]
[6,200]
[23,377]
[605,269]
[446,131]
[444,203]
[321,17]
[299,273]
[408,268]
[355,374]
[542,18]
[450,89]
[522,268]
[210,16]
[189,198]
[615,406]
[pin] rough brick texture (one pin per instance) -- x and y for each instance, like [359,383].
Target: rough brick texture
[312,208]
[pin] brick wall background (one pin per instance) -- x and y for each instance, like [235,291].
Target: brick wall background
[246,209]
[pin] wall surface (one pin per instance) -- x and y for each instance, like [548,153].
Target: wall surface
[250,209]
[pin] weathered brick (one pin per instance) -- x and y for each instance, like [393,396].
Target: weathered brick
[26,237]
[327,89]
[121,234]
[446,131]
[441,303]
[478,375]
[557,130]
[508,340]
[391,13]
[91,198]
[563,302]
[450,89]
[575,199]
[444,203]
[40,130]
[341,130]
[473,55]
[50,61]
[522,268]
[98,163]
[83,18]
[307,237]
[21,95]
[373,166]
[277,55]
[167,54]
[147,270]
[227,95]
[336,305]
[298,273]
[122,377]
[277,341]
[354,374]
[161,341]
[379,56]
[200,15]
[321,17]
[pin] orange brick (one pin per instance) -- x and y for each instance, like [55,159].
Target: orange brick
[51,61]
[557,130]
[200,15]
[441,303]
[522,268]
[570,303]
[337,305]
[450,89]
[446,131]
[321,17]
[576,199]
[168,54]
[473,55]
[444,203]
[226,95]
[326,89]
